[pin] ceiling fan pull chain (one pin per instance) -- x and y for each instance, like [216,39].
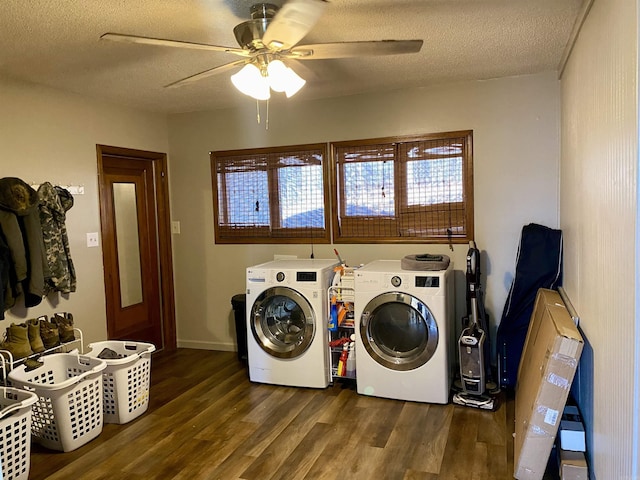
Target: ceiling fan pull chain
[258,111]
[266,123]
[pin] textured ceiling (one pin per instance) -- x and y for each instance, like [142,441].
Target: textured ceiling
[56,43]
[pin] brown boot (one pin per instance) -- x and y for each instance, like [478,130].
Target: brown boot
[35,339]
[17,341]
[49,333]
[64,321]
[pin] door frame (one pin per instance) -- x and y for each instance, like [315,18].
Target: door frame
[162,212]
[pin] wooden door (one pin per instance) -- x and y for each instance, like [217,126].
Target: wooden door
[133,245]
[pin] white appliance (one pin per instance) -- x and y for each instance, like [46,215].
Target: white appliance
[287,337]
[405,332]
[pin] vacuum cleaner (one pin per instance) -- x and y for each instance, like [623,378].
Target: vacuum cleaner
[476,388]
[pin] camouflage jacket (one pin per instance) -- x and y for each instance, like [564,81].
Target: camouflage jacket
[54,204]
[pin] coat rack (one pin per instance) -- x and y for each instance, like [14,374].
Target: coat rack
[72,189]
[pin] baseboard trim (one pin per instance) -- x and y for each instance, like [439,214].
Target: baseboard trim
[224,347]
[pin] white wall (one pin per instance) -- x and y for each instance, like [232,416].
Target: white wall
[598,211]
[47,135]
[516,153]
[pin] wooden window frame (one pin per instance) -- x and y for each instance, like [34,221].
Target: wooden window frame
[274,232]
[397,228]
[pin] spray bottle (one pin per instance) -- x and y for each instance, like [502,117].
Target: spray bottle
[342,362]
[351,359]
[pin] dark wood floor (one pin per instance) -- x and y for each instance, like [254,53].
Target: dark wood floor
[206,420]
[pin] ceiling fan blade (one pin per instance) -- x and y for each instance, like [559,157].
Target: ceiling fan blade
[206,73]
[292,22]
[118,37]
[321,51]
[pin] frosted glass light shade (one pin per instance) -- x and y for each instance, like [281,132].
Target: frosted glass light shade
[279,78]
[294,83]
[283,78]
[278,75]
[250,81]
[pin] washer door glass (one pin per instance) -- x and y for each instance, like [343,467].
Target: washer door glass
[398,331]
[282,322]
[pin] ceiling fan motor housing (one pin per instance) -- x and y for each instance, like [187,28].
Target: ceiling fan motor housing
[264,10]
[249,34]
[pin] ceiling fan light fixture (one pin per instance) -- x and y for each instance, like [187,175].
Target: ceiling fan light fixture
[278,75]
[249,80]
[294,83]
[283,78]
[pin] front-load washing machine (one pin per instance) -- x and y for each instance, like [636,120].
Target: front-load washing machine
[287,340]
[405,332]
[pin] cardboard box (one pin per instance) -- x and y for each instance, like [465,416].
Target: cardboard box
[573,466]
[572,435]
[548,364]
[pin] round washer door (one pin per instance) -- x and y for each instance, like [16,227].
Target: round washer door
[282,322]
[398,331]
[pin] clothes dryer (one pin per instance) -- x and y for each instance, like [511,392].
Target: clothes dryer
[405,332]
[287,340]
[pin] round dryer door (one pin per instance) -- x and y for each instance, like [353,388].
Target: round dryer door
[282,322]
[398,331]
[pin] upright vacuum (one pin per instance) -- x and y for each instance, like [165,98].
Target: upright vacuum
[474,348]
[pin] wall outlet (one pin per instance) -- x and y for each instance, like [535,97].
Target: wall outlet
[175,227]
[93,239]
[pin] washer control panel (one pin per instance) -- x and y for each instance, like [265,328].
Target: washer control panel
[300,276]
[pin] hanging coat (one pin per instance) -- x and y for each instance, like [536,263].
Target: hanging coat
[15,242]
[18,198]
[54,203]
[6,295]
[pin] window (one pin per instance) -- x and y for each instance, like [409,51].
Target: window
[404,189]
[271,195]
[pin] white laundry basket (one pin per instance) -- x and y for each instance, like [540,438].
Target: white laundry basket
[68,412]
[15,433]
[126,379]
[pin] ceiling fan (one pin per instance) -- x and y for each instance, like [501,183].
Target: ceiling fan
[269,40]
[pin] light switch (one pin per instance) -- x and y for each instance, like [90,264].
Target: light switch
[93,239]
[175,227]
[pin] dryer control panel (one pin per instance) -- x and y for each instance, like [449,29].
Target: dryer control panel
[427,281]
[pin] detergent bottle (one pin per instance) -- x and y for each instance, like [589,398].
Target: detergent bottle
[333,315]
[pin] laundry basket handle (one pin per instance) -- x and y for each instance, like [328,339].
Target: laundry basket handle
[138,349]
[97,365]
[29,400]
